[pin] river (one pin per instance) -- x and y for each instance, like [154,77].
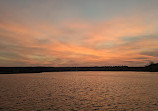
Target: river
[79,91]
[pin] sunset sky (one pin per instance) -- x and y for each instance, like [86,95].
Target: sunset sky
[78,32]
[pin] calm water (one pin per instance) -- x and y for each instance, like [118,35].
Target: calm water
[109,91]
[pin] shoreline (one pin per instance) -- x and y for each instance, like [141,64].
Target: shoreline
[16,70]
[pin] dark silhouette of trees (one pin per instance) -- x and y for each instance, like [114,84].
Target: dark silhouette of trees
[152,67]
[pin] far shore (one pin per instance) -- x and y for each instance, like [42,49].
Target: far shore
[16,70]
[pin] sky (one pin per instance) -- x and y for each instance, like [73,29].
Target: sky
[78,32]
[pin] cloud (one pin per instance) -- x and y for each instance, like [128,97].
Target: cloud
[141,58]
[153,53]
[80,43]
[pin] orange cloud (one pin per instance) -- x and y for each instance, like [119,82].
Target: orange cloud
[75,43]
[114,29]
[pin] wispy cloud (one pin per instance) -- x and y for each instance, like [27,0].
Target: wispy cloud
[120,40]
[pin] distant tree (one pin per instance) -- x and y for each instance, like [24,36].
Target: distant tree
[150,63]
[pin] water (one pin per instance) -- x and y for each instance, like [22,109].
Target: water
[108,91]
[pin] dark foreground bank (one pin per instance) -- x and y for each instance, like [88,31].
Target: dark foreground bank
[14,70]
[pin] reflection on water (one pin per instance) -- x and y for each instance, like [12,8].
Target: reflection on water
[109,91]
